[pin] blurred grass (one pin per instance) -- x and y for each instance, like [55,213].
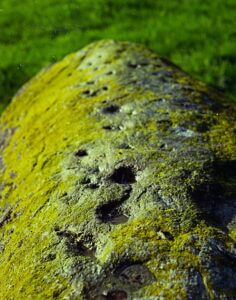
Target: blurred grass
[197,35]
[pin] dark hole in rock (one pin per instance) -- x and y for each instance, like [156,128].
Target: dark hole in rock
[123,175]
[111,109]
[56,228]
[107,127]
[90,82]
[56,293]
[105,88]
[69,74]
[168,235]
[50,257]
[81,153]
[109,73]
[94,93]
[116,295]
[134,275]
[111,213]
[87,92]
[162,146]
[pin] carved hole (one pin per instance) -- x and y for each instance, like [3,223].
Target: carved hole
[123,175]
[111,109]
[109,73]
[109,127]
[162,146]
[90,82]
[86,93]
[81,153]
[111,213]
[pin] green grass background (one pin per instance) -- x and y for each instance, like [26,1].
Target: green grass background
[198,35]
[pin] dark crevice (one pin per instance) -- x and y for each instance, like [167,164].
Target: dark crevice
[90,82]
[109,73]
[111,212]
[108,127]
[81,153]
[111,109]
[123,175]
[86,93]
[89,93]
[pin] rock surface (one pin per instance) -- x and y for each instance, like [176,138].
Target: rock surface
[117,181]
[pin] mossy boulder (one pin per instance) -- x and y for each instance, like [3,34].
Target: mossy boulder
[118,181]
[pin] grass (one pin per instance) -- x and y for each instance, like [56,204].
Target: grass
[198,35]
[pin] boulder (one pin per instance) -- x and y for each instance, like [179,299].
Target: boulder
[117,181]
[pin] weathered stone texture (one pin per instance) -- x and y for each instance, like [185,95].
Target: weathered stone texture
[117,182]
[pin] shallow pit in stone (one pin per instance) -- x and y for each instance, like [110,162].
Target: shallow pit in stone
[111,213]
[123,175]
[111,109]
[81,153]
